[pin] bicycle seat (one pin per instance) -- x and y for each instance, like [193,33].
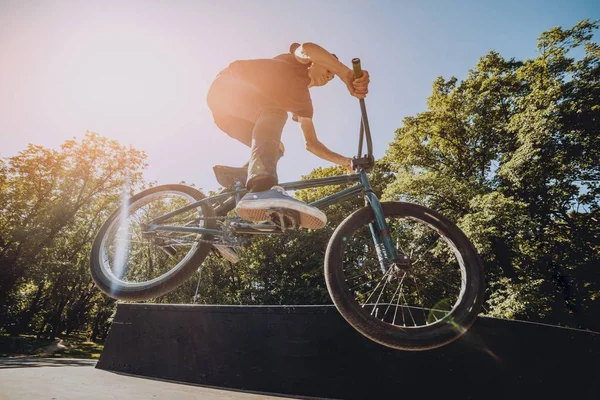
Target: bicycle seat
[229,176]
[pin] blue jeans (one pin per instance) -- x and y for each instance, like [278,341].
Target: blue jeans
[243,112]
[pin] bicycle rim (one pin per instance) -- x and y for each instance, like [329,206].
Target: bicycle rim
[132,256]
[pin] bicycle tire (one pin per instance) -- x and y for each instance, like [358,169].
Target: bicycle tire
[451,325]
[116,288]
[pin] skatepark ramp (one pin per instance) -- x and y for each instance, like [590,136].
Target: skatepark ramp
[310,351]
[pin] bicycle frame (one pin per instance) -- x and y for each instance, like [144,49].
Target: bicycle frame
[379,229]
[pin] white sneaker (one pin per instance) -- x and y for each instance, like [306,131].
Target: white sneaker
[255,206]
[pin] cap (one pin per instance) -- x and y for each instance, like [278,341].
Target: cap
[293,47]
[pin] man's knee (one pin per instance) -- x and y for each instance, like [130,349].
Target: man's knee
[273,114]
[269,124]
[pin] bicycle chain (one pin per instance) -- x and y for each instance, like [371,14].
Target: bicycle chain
[198,240]
[217,218]
[209,241]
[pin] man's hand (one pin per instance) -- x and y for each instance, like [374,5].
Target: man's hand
[358,87]
[348,165]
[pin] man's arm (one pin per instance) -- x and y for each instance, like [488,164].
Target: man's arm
[319,149]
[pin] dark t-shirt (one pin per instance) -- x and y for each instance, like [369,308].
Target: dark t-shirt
[282,78]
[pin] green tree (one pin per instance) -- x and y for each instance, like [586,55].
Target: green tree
[54,202]
[509,153]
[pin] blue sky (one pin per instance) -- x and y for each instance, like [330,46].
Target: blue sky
[138,71]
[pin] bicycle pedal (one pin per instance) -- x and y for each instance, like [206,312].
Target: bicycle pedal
[284,218]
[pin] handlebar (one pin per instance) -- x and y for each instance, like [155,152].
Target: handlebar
[367,161]
[356,67]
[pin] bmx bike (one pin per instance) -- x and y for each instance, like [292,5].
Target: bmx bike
[400,273]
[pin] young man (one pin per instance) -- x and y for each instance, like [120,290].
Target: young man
[250,101]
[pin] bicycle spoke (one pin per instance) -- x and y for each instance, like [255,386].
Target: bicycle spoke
[179,244]
[398,303]
[419,297]
[150,268]
[444,282]
[425,252]
[400,247]
[394,295]
[379,284]
[358,276]
[128,241]
[378,298]
[409,312]
[170,241]
[361,285]
[391,301]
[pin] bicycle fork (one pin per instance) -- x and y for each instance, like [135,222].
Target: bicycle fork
[385,247]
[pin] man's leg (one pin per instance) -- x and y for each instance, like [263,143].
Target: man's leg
[237,107]
[241,130]
[233,97]
[261,203]
[264,153]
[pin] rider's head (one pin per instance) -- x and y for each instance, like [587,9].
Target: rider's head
[319,75]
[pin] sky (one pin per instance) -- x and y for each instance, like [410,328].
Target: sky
[138,71]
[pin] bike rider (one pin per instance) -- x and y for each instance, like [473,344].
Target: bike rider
[250,101]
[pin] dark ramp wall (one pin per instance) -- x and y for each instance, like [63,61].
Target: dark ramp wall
[312,351]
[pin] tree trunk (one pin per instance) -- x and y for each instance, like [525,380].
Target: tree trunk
[502,254]
[96,325]
[23,326]
[57,321]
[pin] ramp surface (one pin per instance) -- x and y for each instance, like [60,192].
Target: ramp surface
[312,351]
[70,379]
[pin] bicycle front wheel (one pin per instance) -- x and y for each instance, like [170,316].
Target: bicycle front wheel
[427,304]
[129,261]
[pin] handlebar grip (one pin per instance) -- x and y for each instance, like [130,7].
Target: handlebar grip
[356,67]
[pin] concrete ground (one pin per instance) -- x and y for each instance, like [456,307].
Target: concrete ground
[66,379]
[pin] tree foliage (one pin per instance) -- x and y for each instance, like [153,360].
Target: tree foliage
[53,202]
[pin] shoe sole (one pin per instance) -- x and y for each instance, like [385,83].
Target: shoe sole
[256,211]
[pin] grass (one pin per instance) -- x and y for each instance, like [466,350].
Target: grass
[30,346]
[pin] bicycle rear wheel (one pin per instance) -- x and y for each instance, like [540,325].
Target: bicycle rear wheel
[130,262]
[426,305]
